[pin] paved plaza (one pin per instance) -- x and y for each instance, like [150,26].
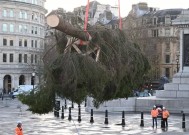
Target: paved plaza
[12,111]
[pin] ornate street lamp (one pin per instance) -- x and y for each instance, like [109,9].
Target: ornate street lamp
[33,79]
[177,60]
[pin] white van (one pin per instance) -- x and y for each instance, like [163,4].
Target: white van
[22,88]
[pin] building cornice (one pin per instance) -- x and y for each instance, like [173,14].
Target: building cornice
[29,5]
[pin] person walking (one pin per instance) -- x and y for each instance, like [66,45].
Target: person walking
[18,129]
[154,114]
[165,115]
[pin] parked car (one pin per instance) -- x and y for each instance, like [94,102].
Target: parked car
[21,89]
[144,94]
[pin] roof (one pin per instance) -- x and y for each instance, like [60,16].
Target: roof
[161,13]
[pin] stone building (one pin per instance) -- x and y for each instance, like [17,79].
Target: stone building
[152,29]
[98,13]
[22,25]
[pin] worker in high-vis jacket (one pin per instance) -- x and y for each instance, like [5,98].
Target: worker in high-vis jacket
[165,115]
[18,129]
[154,114]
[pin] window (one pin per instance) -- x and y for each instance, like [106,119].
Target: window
[32,30]
[11,43]
[155,33]
[167,19]
[35,30]
[4,57]
[25,43]
[20,28]
[167,47]
[20,58]
[25,58]
[32,16]
[31,43]
[4,27]
[25,29]
[4,41]
[4,13]
[20,42]
[167,58]
[167,72]
[155,21]
[23,15]
[11,57]
[31,58]
[11,28]
[35,43]
[167,32]
[11,13]
[35,58]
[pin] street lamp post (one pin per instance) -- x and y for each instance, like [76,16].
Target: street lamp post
[177,60]
[33,79]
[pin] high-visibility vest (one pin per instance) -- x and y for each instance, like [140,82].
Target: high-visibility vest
[18,131]
[165,114]
[154,112]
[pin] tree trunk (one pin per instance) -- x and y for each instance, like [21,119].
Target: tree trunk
[59,23]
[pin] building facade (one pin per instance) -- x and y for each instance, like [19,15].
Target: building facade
[22,27]
[159,39]
[98,13]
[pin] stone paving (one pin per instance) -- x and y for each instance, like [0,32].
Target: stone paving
[12,111]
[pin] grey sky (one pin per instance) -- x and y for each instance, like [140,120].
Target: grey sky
[126,5]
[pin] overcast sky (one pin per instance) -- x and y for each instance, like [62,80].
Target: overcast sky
[126,5]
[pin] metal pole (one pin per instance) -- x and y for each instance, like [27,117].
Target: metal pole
[91,120]
[183,120]
[142,120]
[69,117]
[177,66]
[72,104]
[79,113]
[65,104]
[123,119]
[62,112]
[106,117]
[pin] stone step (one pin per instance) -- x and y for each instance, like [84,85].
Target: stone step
[181,77]
[174,105]
[176,86]
[172,94]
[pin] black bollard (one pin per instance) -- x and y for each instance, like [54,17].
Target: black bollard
[142,120]
[54,111]
[85,102]
[69,117]
[57,112]
[72,104]
[91,120]
[62,112]
[106,117]
[123,119]
[79,113]
[183,120]
[57,107]
[65,104]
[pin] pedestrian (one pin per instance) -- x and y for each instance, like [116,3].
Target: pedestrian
[18,129]
[165,114]
[154,114]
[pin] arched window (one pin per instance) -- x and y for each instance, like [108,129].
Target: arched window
[7,84]
[22,80]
